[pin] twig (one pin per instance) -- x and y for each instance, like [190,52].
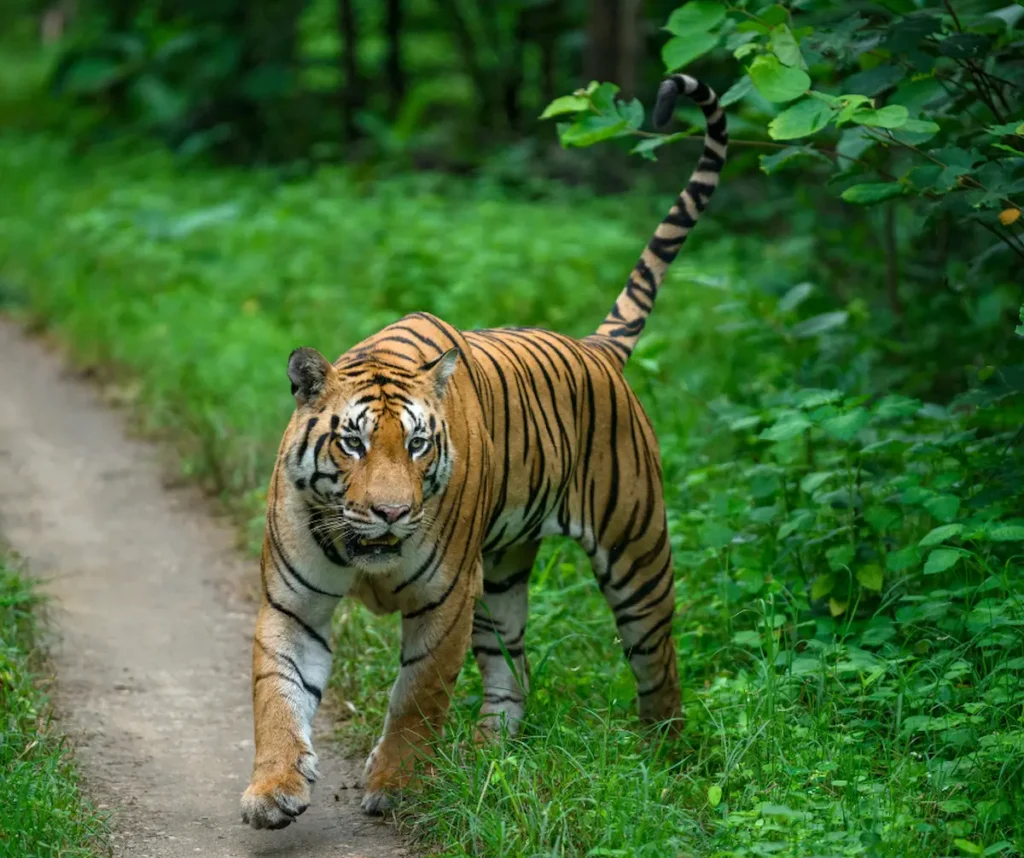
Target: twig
[1003,238]
[891,138]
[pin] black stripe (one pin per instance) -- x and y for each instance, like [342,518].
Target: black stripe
[513,651]
[305,438]
[309,630]
[312,690]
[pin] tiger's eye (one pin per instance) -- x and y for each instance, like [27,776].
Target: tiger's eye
[353,445]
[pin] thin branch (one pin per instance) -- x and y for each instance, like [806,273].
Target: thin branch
[891,138]
[1003,238]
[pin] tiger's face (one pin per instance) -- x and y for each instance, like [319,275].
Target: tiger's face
[371,449]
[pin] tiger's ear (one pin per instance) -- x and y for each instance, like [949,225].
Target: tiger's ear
[308,371]
[442,369]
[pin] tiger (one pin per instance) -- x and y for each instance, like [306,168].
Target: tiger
[419,473]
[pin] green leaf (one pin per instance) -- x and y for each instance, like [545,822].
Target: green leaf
[695,16]
[905,558]
[773,15]
[839,557]
[788,427]
[777,82]
[964,46]
[714,795]
[943,507]
[566,104]
[814,397]
[796,296]
[940,534]
[683,50]
[822,586]
[647,146]
[801,120]
[881,518]
[747,637]
[851,104]
[1007,129]
[737,91]
[1006,533]
[916,131]
[846,426]
[894,405]
[874,81]
[773,163]
[593,129]
[631,111]
[891,116]
[940,560]
[870,578]
[853,143]
[968,847]
[819,324]
[812,482]
[602,95]
[785,46]
[876,192]
[714,535]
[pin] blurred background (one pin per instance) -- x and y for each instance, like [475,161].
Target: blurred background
[192,189]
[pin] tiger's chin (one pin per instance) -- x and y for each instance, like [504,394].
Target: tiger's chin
[374,554]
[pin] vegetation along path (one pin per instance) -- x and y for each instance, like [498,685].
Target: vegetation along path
[153,662]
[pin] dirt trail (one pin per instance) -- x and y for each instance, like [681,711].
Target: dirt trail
[153,659]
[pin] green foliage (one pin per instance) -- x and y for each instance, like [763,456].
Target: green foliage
[44,813]
[847,544]
[920,109]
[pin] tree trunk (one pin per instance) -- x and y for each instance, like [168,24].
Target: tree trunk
[393,60]
[602,47]
[351,82]
[628,46]
[613,34]
[512,76]
[467,47]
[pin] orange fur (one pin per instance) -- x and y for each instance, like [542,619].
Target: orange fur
[419,473]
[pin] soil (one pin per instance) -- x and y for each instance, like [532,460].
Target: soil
[154,627]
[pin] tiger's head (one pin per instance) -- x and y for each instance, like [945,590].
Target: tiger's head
[371,447]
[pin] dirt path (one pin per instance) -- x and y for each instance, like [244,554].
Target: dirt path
[154,654]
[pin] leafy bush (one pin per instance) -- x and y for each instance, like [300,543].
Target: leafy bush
[912,108]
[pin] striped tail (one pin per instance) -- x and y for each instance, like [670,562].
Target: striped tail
[623,325]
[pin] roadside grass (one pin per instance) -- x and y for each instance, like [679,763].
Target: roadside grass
[42,809]
[847,563]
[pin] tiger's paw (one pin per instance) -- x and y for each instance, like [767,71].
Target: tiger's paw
[276,801]
[388,769]
[379,802]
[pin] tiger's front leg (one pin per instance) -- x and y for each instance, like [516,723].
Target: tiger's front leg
[291,663]
[435,639]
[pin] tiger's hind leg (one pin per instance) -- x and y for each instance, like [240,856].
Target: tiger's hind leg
[630,551]
[499,631]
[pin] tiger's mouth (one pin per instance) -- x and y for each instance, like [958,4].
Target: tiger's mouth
[376,546]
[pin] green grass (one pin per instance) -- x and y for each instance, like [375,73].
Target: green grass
[42,810]
[848,690]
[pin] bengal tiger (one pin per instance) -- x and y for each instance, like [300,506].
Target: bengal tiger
[419,473]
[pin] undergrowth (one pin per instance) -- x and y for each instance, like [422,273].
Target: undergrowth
[848,551]
[42,810]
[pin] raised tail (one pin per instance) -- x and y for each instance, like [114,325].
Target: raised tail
[622,327]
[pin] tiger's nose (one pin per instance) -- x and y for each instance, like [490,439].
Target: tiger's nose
[390,513]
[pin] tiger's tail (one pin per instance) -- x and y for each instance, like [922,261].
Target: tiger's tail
[622,327]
